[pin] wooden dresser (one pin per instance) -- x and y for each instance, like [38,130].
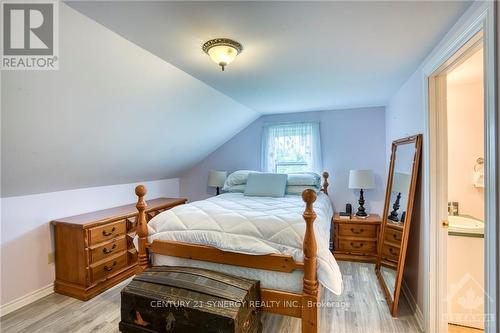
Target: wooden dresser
[355,239]
[94,251]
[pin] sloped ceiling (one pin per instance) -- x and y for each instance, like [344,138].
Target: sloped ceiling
[113,113]
[297,56]
[136,99]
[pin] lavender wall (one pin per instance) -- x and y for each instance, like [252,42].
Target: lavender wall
[405,117]
[350,139]
[27,237]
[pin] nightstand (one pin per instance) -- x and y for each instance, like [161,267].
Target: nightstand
[355,239]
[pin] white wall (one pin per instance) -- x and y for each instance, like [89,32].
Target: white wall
[27,237]
[465,118]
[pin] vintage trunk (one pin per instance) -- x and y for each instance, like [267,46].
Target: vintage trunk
[183,299]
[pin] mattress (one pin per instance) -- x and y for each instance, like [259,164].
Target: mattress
[250,225]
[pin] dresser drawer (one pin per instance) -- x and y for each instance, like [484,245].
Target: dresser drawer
[102,270]
[108,249]
[357,246]
[107,232]
[362,230]
[390,252]
[393,235]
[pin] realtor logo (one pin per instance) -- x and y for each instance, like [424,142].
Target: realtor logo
[465,303]
[29,35]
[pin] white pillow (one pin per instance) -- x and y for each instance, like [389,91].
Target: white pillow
[298,189]
[304,179]
[235,188]
[238,178]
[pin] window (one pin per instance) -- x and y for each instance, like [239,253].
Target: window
[293,147]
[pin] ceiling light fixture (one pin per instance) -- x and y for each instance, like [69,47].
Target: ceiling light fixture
[222,50]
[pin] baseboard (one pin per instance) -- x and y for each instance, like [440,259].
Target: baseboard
[417,313]
[26,299]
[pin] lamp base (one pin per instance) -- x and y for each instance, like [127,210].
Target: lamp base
[394,214]
[392,218]
[361,210]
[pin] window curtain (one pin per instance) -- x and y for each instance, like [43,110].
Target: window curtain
[291,142]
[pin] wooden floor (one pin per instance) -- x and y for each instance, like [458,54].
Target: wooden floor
[361,308]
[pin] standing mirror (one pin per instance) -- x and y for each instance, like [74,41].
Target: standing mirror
[393,238]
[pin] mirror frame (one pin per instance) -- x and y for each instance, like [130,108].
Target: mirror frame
[393,301]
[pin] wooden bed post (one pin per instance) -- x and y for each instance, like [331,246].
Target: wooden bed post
[310,296]
[142,228]
[324,188]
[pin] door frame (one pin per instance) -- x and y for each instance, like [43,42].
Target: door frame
[482,18]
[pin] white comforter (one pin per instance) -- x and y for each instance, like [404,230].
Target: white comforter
[252,225]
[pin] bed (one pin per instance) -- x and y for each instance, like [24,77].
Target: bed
[255,237]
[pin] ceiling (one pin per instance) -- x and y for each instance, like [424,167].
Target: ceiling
[112,114]
[297,56]
[468,72]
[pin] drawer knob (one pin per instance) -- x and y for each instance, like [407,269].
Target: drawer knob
[108,269]
[107,251]
[105,233]
[357,246]
[354,231]
[396,237]
[391,250]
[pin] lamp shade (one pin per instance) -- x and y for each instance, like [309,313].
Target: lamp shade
[400,182]
[361,179]
[222,50]
[216,178]
[222,55]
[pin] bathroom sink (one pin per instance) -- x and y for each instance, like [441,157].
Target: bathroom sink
[466,225]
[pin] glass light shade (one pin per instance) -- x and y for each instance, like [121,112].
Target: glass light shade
[361,179]
[222,55]
[216,178]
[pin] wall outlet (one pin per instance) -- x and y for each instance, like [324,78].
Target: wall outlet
[51,257]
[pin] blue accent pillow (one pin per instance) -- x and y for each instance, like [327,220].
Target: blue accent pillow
[266,185]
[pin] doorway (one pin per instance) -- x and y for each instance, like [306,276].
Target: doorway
[462,189]
[465,191]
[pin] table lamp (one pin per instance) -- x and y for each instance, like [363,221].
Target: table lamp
[400,184]
[361,179]
[217,179]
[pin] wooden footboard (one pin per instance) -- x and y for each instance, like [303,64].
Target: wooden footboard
[303,305]
[310,313]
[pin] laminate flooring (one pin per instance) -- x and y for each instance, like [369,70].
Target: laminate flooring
[361,308]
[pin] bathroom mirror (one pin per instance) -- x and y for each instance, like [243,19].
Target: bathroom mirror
[393,237]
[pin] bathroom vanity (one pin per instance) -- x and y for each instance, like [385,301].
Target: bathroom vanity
[466,254]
